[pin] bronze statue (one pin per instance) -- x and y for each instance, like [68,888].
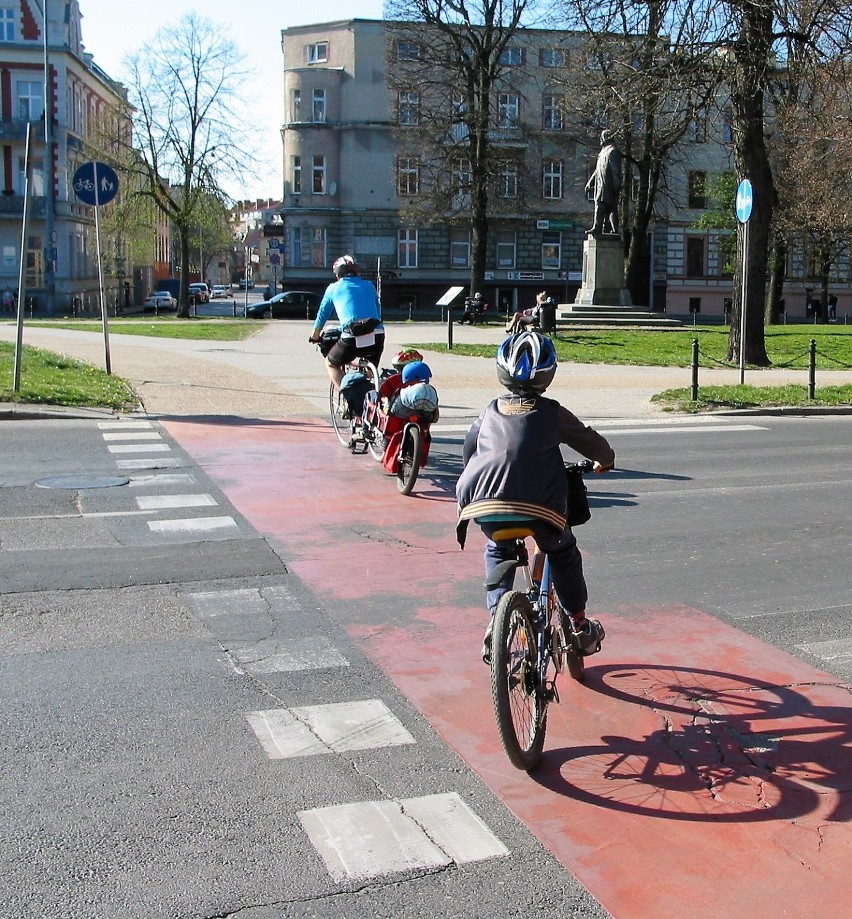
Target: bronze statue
[606,185]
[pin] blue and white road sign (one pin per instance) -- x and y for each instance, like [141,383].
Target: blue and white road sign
[744,201]
[95,177]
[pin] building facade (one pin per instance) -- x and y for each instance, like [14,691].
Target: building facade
[84,103]
[350,172]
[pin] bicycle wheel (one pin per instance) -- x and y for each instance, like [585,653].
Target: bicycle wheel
[375,443]
[410,451]
[519,701]
[337,406]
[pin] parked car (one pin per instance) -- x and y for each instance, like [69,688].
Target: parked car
[220,290]
[246,284]
[159,300]
[291,304]
[200,291]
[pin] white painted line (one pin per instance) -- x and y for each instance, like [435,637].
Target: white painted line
[362,725]
[193,525]
[312,653]
[695,429]
[159,479]
[836,651]
[283,736]
[166,462]
[161,502]
[451,824]
[369,840]
[123,425]
[139,448]
[375,838]
[131,435]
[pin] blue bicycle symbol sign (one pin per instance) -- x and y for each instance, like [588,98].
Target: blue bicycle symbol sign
[95,183]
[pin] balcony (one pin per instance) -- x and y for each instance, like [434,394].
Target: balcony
[16,129]
[13,206]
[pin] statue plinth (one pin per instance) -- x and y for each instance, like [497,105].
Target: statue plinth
[603,273]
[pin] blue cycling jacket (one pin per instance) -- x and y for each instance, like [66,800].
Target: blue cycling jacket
[350,298]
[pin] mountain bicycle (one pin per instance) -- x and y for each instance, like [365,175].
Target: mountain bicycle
[346,423]
[529,647]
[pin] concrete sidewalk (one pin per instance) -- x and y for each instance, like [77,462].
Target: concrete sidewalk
[276,373]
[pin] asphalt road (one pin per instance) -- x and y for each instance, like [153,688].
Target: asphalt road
[154,633]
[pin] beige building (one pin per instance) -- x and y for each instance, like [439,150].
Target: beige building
[348,171]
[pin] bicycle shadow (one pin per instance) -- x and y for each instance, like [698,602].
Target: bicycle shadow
[729,748]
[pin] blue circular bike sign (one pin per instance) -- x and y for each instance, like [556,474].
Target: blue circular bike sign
[745,200]
[95,183]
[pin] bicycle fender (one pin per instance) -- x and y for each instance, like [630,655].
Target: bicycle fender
[497,575]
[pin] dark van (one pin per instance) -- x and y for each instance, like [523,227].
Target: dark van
[172,285]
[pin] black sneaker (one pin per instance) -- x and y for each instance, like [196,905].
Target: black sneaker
[486,643]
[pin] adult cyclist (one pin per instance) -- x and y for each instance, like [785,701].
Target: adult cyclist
[513,468]
[356,305]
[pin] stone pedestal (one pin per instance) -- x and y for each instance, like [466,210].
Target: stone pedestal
[603,273]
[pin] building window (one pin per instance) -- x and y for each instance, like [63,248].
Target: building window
[695,256]
[551,249]
[316,53]
[319,256]
[552,113]
[727,126]
[508,110]
[318,177]
[462,179]
[407,176]
[459,247]
[409,108]
[551,174]
[506,248]
[507,180]
[698,126]
[512,57]
[698,189]
[407,51]
[552,57]
[37,186]
[296,248]
[318,109]
[296,105]
[296,184]
[7,23]
[407,248]
[30,100]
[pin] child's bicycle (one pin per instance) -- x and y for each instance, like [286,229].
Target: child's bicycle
[529,648]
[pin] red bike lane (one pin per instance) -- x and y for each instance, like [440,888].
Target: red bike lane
[699,771]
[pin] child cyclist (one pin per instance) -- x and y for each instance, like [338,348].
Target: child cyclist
[513,469]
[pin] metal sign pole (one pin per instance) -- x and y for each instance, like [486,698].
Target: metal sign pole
[22,270]
[744,304]
[104,320]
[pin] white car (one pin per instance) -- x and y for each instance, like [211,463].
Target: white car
[159,300]
[221,290]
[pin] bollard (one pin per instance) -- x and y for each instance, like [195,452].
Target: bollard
[450,328]
[694,369]
[812,369]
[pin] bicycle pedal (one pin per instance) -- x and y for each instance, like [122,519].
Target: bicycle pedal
[551,693]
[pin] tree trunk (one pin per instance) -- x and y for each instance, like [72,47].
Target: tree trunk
[183,297]
[776,282]
[752,162]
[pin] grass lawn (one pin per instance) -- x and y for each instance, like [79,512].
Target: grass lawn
[51,379]
[225,329]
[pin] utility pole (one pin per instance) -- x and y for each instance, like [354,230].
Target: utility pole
[49,201]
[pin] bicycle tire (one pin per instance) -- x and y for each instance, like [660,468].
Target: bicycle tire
[336,405]
[410,451]
[375,443]
[520,705]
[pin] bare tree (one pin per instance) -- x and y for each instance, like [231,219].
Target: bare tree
[648,74]
[450,56]
[183,91]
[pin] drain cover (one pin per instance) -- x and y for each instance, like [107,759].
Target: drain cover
[82,481]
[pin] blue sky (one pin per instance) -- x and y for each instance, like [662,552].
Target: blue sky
[112,31]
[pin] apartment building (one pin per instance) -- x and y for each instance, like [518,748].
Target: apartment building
[348,172]
[60,246]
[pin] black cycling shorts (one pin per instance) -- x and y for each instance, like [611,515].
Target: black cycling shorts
[344,350]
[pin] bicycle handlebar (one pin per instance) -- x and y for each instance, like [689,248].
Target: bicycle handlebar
[583,466]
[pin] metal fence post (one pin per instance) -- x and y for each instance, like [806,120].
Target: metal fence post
[694,369]
[812,369]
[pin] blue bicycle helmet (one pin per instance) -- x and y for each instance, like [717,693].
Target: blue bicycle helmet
[526,363]
[416,372]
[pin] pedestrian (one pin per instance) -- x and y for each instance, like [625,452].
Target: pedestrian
[832,308]
[531,318]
